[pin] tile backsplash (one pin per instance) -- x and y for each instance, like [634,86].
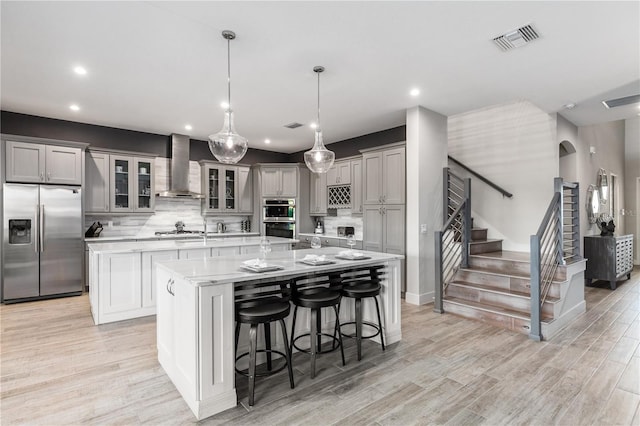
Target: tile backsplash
[343,218]
[168,212]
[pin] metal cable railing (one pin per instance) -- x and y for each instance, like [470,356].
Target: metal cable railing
[452,242]
[557,240]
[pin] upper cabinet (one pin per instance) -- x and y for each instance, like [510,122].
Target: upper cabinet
[119,183]
[318,194]
[42,163]
[227,189]
[280,181]
[356,186]
[339,173]
[384,176]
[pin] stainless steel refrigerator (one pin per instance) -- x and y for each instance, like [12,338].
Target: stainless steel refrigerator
[42,247]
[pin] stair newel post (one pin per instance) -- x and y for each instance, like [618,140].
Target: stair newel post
[445,195]
[535,327]
[439,284]
[559,188]
[466,234]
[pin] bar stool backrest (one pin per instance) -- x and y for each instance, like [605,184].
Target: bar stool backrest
[369,274]
[256,293]
[316,283]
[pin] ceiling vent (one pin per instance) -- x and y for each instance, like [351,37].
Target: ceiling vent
[516,38]
[293,125]
[627,100]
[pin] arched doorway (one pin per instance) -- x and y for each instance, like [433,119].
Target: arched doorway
[568,161]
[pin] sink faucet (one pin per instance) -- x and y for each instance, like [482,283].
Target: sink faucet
[204,222]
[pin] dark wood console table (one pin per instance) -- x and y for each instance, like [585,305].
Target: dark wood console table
[608,258]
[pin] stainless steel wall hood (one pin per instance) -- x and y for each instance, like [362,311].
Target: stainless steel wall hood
[179,179]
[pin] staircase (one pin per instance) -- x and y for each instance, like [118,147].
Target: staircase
[495,288]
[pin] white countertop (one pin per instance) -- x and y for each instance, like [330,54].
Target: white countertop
[311,234]
[222,270]
[170,237]
[155,245]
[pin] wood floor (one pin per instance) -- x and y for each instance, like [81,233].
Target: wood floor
[58,368]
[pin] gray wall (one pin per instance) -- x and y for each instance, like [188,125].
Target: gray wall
[632,182]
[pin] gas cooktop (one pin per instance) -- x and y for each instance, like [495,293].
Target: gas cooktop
[175,232]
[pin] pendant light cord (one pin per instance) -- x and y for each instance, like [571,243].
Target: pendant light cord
[229,73]
[318,128]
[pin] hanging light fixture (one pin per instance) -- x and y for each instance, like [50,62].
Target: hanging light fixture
[227,145]
[319,159]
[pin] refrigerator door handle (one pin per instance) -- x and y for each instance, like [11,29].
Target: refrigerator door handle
[41,227]
[37,235]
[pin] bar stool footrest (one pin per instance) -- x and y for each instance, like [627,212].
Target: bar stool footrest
[334,345]
[353,336]
[268,373]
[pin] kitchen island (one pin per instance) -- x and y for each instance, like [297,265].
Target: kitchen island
[121,274]
[195,316]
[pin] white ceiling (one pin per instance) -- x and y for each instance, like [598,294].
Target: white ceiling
[155,66]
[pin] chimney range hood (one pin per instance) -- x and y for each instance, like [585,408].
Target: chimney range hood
[179,178]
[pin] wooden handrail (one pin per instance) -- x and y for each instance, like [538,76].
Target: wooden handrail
[501,190]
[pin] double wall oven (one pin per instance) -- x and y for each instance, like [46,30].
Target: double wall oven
[279,217]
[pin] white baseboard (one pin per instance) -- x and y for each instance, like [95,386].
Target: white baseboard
[419,299]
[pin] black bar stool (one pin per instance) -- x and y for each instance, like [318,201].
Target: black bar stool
[254,306]
[315,293]
[360,284]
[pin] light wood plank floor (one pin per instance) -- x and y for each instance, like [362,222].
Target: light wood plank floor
[58,368]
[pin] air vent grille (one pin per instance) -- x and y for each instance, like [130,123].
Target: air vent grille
[516,38]
[293,125]
[627,100]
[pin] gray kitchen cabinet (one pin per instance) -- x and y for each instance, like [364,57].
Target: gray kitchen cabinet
[608,258]
[131,184]
[117,182]
[245,190]
[227,189]
[318,194]
[384,176]
[356,187]
[279,181]
[339,173]
[96,194]
[384,228]
[41,163]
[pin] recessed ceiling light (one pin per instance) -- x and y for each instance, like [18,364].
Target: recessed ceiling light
[74,107]
[80,70]
[313,125]
[224,105]
[188,126]
[570,106]
[414,92]
[267,141]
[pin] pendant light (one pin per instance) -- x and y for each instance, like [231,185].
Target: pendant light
[319,159]
[227,145]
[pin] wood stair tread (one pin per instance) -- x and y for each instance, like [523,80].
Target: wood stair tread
[491,271]
[488,240]
[494,309]
[514,256]
[500,290]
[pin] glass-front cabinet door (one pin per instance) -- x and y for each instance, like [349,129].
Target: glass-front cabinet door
[213,188]
[220,184]
[230,198]
[121,183]
[144,185]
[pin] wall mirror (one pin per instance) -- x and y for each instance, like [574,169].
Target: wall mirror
[602,182]
[593,203]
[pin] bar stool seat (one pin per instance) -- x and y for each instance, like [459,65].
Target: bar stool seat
[315,293]
[358,285]
[254,306]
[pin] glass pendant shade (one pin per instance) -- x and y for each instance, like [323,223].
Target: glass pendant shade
[319,159]
[227,145]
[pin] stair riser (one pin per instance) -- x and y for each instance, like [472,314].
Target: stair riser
[485,247]
[503,282]
[478,235]
[502,300]
[505,266]
[516,324]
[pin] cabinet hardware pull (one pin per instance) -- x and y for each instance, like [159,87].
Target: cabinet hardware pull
[48,176]
[41,176]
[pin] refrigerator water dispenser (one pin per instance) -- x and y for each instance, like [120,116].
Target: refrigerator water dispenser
[19,231]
